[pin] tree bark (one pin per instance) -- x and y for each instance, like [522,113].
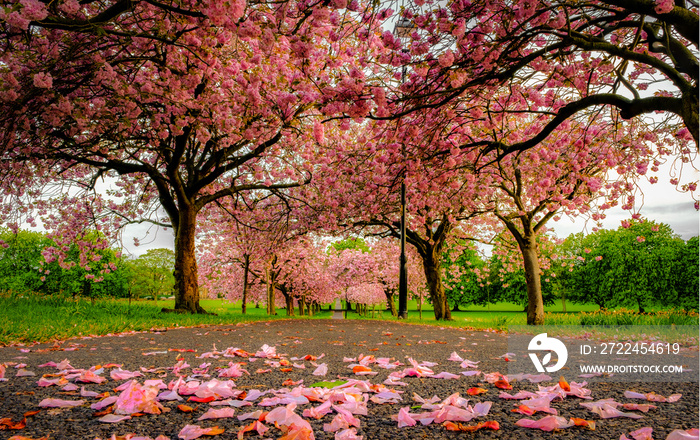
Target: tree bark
[288,299]
[535,305]
[390,304]
[301,305]
[431,268]
[186,287]
[563,302]
[246,267]
[270,283]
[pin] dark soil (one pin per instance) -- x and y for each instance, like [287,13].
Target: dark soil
[298,338]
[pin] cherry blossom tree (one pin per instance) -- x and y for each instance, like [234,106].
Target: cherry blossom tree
[175,105]
[377,266]
[557,59]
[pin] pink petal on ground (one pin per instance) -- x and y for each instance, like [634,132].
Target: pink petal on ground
[217,388]
[119,374]
[86,393]
[64,365]
[642,434]
[519,396]
[482,408]
[43,382]
[286,416]
[88,376]
[220,413]
[250,415]
[419,399]
[678,434]
[455,357]
[113,418]
[643,407]
[23,373]
[60,403]
[266,352]
[652,397]
[104,403]
[319,411]
[169,395]
[338,423]
[548,423]
[444,375]
[468,364]
[321,370]
[191,432]
[606,409]
[347,434]
[138,399]
[234,370]
[404,418]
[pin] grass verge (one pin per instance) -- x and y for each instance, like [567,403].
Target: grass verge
[31,319]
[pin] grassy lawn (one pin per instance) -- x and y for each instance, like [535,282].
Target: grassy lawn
[33,319]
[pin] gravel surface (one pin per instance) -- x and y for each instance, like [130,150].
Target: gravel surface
[334,339]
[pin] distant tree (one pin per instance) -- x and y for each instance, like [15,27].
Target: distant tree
[464,278]
[634,266]
[27,266]
[506,284]
[686,276]
[151,274]
[20,255]
[350,243]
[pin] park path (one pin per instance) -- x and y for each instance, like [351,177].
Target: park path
[338,310]
[197,355]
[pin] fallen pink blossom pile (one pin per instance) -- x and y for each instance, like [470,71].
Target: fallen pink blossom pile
[278,413]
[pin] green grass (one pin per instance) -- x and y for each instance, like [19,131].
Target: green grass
[30,319]
[501,315]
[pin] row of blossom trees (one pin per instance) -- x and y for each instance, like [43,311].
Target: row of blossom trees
[261,124]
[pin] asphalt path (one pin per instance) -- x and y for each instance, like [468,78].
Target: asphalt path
[330,342]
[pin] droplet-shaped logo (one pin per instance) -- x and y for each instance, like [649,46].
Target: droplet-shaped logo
[543,343]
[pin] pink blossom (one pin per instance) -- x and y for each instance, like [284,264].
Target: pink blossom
[43,80]
[70,7]
[641,239]
[446,59]
[318,132]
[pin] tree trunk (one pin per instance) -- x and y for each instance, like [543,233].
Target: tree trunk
[270,283]
[301,306]
[288,299]
[431,267]
[155,294]
[563,302]
[246,266]
[390,304]
[535,305]
[186,287]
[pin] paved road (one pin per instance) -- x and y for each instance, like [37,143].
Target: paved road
[330,341]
